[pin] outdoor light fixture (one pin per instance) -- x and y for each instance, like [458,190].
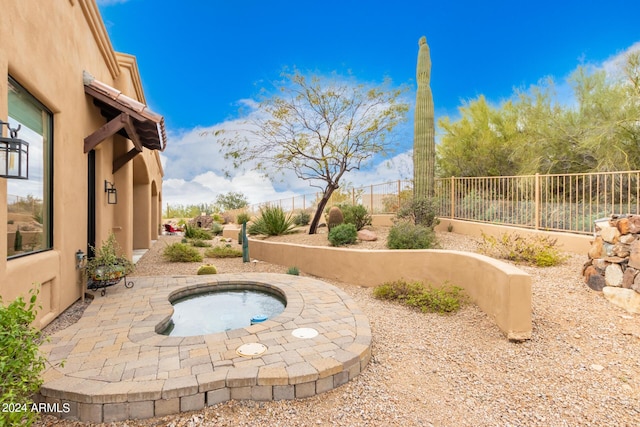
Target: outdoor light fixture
[14,154]
[112,193]
[80,257]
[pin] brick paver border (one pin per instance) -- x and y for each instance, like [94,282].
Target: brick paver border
[117,366]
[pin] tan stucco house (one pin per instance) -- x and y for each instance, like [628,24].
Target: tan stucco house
[93,150]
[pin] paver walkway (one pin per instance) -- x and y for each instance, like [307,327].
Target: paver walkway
[117,367]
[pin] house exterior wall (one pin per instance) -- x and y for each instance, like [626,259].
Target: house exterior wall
[45,47]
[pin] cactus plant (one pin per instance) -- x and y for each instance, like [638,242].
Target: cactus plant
[17,243]
[207,269]
[335,217]
[424,145]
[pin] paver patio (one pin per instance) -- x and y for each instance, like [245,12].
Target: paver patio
[116,366]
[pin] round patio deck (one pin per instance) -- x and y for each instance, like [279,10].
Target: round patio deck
[117,367]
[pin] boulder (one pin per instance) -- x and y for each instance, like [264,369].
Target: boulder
[636,283]
[610,235]
[588,272]
[627,299]
[367,236]
[613,275]
[627,238]
[596,282]
[628,277]
[623,225]
[634,255]
[595,251]
[634,224]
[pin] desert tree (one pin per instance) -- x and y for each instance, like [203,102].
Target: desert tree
[320,128]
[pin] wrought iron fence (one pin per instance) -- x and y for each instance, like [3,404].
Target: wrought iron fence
[568,202]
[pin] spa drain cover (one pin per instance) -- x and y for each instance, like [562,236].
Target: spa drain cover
[251,349]
[304,333]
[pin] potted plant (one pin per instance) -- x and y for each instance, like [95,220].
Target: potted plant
[107,264]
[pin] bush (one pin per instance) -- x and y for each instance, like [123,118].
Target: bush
[441,300]
[293,271]
[242,218]
[179,252]
[343,234]
[216,228]
[405,235]
[17,243]
[207,269]
[193,232]
[357,215]
[272,222]
[419,211]
[537,250]
[20,361]
[302,218]
[199,243]
[222,252]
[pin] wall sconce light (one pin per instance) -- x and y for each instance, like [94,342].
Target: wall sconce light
[14,154]
[112,193]
[80,257]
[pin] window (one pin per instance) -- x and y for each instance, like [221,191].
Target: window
[29,207]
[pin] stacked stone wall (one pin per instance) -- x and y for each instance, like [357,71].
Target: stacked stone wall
[614,261]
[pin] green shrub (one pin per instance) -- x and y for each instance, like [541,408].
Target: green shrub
[419,211]
[193,232]
[216,228]
[536,250]
[184,240]
[222,252]
[343,234]
[441,300]
[293,271]
[405,235]
[20,361]
[242,218]
[302,218]
[357,215]
[334,218]
[199,243]
[207,269]
[272,222]
[179,252]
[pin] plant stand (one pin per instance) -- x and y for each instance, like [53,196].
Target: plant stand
[94,285]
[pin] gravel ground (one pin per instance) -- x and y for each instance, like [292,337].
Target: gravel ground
[580,368]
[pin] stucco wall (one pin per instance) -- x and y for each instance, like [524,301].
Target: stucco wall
[46,46]
[499,289]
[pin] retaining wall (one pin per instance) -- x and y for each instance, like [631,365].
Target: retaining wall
[499,289]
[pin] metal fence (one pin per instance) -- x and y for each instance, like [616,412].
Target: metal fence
[546,202]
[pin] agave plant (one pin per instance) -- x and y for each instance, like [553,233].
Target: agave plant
[272,222]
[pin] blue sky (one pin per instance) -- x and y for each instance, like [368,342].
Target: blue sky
[200,61]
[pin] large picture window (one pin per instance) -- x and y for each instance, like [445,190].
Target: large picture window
[29,212]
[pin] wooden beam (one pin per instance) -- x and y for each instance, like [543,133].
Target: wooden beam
[122,160]
[109,129]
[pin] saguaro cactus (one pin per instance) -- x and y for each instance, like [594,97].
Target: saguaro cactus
[424,142]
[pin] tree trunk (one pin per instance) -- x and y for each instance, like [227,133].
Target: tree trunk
[321,205]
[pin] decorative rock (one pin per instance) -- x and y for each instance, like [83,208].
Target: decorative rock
[595,251]
[367,235]
[613,275]
[621,250]
[588,272]
[596,282]
[600,264]
[627,239]
[627,299]
[610,235]
[623,225]
[607,249]
[634,224]
[612,260]
[628,277]
[636,283]
[634,256]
